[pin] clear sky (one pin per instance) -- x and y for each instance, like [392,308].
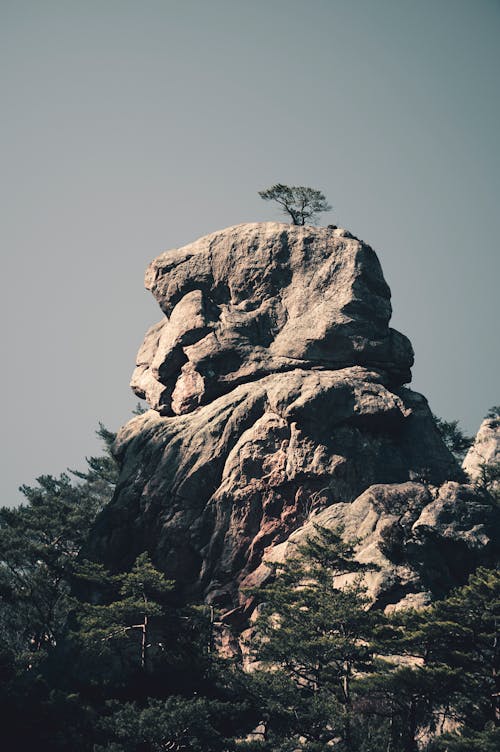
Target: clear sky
[131,127]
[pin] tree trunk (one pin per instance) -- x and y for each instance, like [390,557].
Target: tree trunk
[409,741]
[495,697]
[144,642]
[346,688]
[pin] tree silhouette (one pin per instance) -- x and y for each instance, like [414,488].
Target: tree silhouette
[299,202]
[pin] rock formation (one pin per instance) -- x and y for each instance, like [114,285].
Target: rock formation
[258,299]
[422,540]
[276,388]
[485,450]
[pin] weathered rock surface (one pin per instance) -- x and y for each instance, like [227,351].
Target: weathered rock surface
[207,492]
[264,298]
[277,388]
[421,539]
[486,448]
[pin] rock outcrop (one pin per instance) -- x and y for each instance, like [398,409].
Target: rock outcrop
[277,395]
[421,540]
[485,450]
[264,298]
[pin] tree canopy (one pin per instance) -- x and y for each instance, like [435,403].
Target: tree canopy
[302,204]
[99,661]
[332,673]
[455,439]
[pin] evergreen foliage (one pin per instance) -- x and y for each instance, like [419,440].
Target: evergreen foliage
[487,483]
[93,661]
[39,543]
[333,674]
[455,439]
[312,639]
[493,414]
[446,665]
[300,203]
[125,621]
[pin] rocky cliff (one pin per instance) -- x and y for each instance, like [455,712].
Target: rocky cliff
[278,398]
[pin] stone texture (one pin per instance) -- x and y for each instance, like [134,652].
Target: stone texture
[264,298]
[277,388]
[486,448]
[209,491]
[422,539]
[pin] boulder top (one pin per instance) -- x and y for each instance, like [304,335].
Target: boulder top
[261,298]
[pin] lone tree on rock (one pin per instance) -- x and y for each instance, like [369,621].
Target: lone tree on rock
[299,202]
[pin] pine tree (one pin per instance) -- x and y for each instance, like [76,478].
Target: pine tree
[312,641]
[468,622]
[149,659]
[39,543]
[455,439]
[301,203]
[123,624]
[447,667]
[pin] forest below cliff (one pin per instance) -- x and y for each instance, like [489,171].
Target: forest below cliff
[93,660]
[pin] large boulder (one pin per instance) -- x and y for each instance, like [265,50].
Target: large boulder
[278,396]
[264,298]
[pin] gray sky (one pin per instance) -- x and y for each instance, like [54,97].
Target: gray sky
[131,127]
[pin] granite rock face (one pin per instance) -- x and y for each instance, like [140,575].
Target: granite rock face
[264,298]
[277,393]
[210,490]
[485,450]
[421,539]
